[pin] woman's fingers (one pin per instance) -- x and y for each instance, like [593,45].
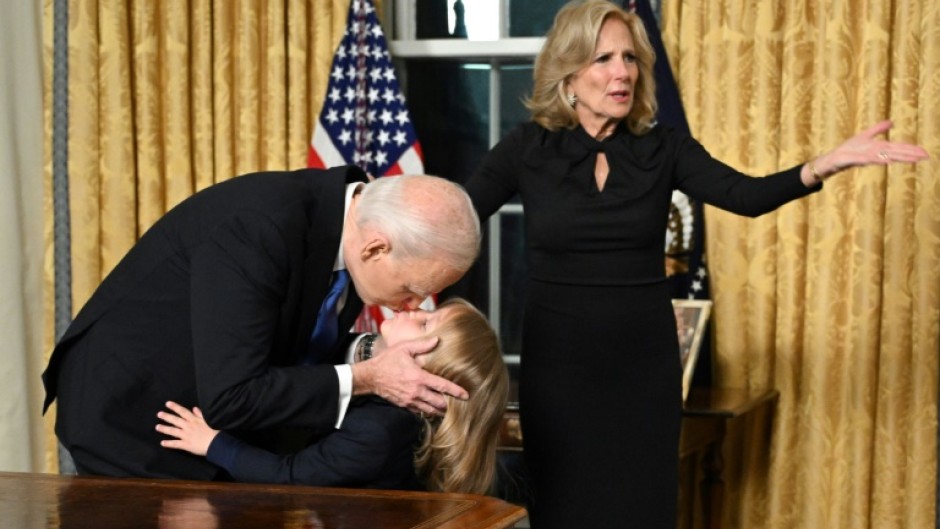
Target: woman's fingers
[878,128]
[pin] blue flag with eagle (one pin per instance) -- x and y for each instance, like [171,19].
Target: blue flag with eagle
[685,238]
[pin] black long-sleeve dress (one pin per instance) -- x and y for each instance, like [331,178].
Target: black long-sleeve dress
[600,381]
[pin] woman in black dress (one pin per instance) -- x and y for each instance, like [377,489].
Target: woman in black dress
[600,388]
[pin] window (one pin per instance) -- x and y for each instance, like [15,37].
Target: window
[465,67]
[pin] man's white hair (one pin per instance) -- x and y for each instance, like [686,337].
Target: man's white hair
[424,217]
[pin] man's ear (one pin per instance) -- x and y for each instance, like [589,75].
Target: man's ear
[376,247]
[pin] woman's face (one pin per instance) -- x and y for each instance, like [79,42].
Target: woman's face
[605,86]
[410,325]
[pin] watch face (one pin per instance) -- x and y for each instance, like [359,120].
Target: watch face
[364,348]
[368,343]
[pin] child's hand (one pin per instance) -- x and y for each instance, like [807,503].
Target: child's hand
[188,427]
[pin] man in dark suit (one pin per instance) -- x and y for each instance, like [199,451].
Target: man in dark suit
[215,306]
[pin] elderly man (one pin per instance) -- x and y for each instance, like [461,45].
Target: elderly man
[217,306]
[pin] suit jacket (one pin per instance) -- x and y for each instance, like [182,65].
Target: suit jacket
[214,307]
[374,448]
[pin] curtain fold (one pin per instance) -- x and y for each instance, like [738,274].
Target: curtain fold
[833,300]
[167,98]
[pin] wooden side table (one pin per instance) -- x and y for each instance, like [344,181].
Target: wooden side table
[705,418]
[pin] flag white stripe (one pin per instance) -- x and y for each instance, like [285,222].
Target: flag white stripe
[325,149]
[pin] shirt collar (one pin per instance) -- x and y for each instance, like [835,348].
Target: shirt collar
[340,263]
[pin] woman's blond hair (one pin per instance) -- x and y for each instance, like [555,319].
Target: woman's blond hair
[458,451]
[569,47]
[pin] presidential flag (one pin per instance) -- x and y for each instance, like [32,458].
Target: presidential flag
[364,120]
[685,238]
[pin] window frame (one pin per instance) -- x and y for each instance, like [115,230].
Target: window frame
[496,53]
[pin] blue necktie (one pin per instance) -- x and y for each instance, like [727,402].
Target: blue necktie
[326,330]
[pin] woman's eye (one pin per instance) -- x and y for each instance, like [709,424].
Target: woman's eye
[630,58]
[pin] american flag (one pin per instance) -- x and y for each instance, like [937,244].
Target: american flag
[364,120]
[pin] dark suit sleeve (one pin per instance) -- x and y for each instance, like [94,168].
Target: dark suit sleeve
[239,277]
[373,448]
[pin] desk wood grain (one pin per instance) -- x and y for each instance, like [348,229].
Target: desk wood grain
[36,501]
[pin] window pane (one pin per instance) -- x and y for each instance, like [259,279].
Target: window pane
[532,18]
[512,281]
[466,19]
[481,20]
[515,84]
[449,104]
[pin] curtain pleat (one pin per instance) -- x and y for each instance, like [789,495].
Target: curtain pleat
[833,300]
[50,459]
[167,98]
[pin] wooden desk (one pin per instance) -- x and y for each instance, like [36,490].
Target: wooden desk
[51,501]
[704,422]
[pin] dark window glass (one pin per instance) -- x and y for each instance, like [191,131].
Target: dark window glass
[512,280]
[431,19]
[449,104]
[532,18]
[515,84]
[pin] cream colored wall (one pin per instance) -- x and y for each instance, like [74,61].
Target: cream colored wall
[21,237]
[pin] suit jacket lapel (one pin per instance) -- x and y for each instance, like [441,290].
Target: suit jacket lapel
[324,233]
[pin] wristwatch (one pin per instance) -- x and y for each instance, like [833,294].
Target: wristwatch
[364,348]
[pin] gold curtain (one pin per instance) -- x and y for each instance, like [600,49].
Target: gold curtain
[166,98]
[834,300]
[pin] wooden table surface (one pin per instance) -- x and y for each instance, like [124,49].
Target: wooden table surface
[34,501]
